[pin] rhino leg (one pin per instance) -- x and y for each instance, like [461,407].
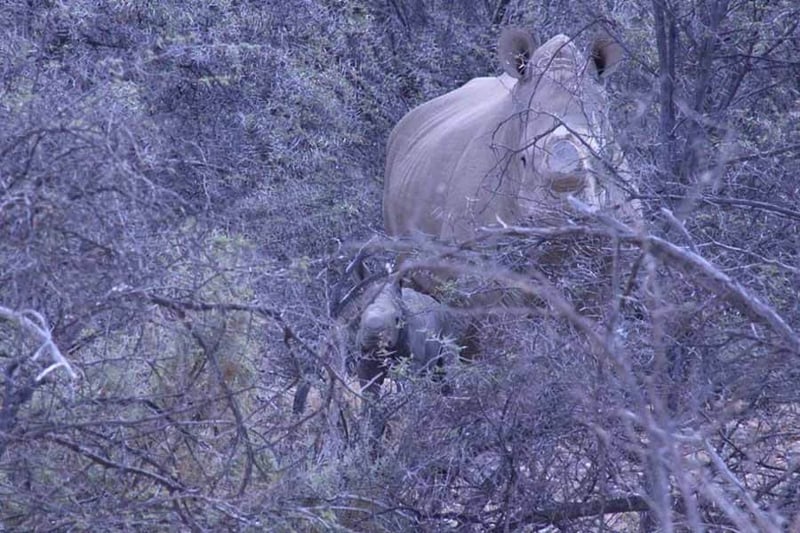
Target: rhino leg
[371,370]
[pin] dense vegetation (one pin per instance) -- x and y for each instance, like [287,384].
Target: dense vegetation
[182,185]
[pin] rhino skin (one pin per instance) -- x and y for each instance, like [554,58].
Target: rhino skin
[384,325]
[510,147]
[403,324]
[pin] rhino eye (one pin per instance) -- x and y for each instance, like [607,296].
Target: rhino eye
[524,161]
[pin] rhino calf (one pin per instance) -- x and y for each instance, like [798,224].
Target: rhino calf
[403,324]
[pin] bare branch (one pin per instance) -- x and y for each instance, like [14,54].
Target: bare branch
[39,328]
[662,249]
[108,463]
[764,523]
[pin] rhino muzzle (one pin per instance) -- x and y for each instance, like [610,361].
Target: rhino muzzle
[564,168]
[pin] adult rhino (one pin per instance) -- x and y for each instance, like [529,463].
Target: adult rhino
[511,147]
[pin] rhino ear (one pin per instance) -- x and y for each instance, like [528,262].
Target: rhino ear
[515,49]
[606,54]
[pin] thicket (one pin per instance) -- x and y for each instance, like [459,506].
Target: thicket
[183,184]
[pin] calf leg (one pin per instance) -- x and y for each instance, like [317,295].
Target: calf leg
[371,374]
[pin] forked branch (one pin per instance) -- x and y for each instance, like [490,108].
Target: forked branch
[35,324]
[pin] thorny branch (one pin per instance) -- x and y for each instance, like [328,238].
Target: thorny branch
[665,251]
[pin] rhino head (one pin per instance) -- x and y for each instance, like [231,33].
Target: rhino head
[381,322]
[558,130]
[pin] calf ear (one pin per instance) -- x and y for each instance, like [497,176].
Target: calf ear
[515,49]
[606,54]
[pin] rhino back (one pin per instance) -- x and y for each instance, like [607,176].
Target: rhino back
[439,156]
[429,328]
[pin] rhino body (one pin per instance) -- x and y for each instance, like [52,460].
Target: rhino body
[510,147]
[390,325]
[403,324]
